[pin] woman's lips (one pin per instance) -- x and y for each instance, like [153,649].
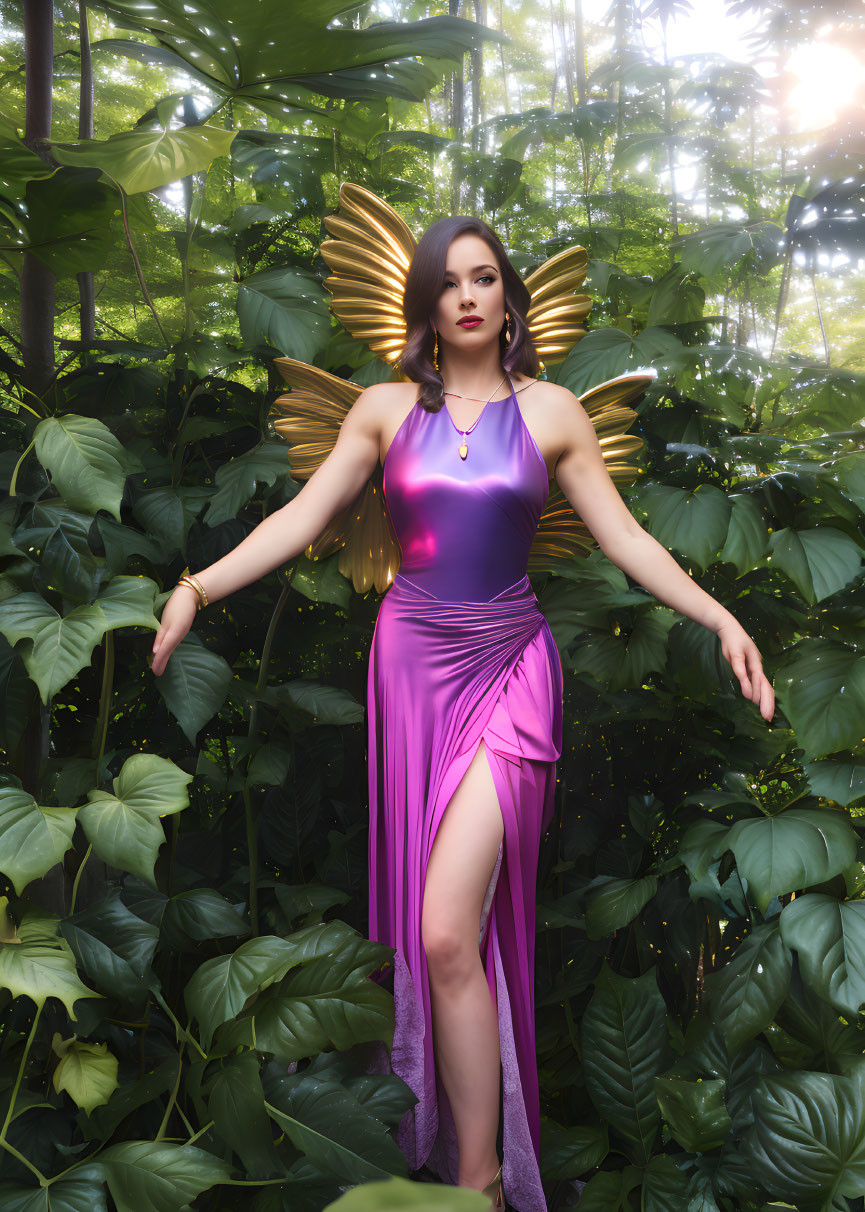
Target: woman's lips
[470,323]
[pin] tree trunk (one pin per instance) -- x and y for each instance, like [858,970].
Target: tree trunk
[36,289]
[86,291]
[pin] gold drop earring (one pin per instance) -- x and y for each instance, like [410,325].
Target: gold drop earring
[436,350]
[507,328]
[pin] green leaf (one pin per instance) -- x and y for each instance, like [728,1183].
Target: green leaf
[194,684]
[616,903]
[87,1072]
[238,480]
[148,159]
[87,463]
[128,602]
[235,1101]
[746,992]
[59,647]
[840,781]
[158,1176]
[337,1134]
[41,966]
[114,948]
[34,838]
[665,1185]
[693,523]
[77,1194]
[568,1152]
[321,581]
[807,1142]
[624,661]
[220,986]
[285,307]
[198,915]
[829,936]
[624,1048]
[791,850]
[747,536]
[326,704]
[610,1190]
[69,217]
[695,1112]
[403,1195]
[124,828]
[821,690]
[819,561]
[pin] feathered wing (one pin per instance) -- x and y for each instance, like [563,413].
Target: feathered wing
[369,255]
[310,418]
[561,534]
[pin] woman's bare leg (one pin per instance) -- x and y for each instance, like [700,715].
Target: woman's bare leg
[465,1026]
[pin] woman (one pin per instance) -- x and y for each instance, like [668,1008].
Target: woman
[465,685]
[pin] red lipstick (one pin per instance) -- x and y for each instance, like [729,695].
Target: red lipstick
[470,321]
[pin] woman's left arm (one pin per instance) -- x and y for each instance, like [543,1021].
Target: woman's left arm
[583,477]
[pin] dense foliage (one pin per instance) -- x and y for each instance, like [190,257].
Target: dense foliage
[185,1004]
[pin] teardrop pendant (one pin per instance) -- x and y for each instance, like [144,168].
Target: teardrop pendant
[464,450]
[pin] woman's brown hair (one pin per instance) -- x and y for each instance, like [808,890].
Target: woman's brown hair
[424,283]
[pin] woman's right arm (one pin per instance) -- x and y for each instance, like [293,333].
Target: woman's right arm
[288,531]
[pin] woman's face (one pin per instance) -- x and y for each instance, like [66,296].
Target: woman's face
[472,287]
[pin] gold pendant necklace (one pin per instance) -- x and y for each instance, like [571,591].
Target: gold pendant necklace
[463,448]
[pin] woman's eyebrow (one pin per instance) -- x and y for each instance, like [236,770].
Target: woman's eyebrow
[474,271]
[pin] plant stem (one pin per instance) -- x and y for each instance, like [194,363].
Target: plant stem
[76,880]
[20,1074]
[167,1116]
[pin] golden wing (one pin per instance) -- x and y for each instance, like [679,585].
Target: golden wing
[310,418]
[561,534]
[370,256]
[556,314]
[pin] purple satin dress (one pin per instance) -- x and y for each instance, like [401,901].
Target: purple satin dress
[460,653]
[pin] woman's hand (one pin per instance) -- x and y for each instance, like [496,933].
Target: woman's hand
[744,658]
[178,614]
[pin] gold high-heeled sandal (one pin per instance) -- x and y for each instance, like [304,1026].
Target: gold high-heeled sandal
[495,1193]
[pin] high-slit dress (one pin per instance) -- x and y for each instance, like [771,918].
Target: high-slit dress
[461,653]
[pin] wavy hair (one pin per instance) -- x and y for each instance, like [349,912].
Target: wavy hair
[423,286]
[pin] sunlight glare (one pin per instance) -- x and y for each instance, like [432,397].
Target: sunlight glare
[825,81]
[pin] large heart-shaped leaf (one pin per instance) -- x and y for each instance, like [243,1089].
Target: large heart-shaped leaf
[239,478]
[60,646]
[821,690]
[40,965]
[128,602]
[148,159]
[87,1072]
[747,991]
[338,1135]
[87,463]
[807,1143]
[124,827]
[625,1047]
[194,684]
[78,1194]
[693,523]
[695,1111]
[819,561]
[829,936]
[791,850]
[34,838]
[285,307]
[220,986]
[235,1100]
[159,1176]
[616,902]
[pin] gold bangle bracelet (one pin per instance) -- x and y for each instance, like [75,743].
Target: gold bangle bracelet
[199,587]
[189,585]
